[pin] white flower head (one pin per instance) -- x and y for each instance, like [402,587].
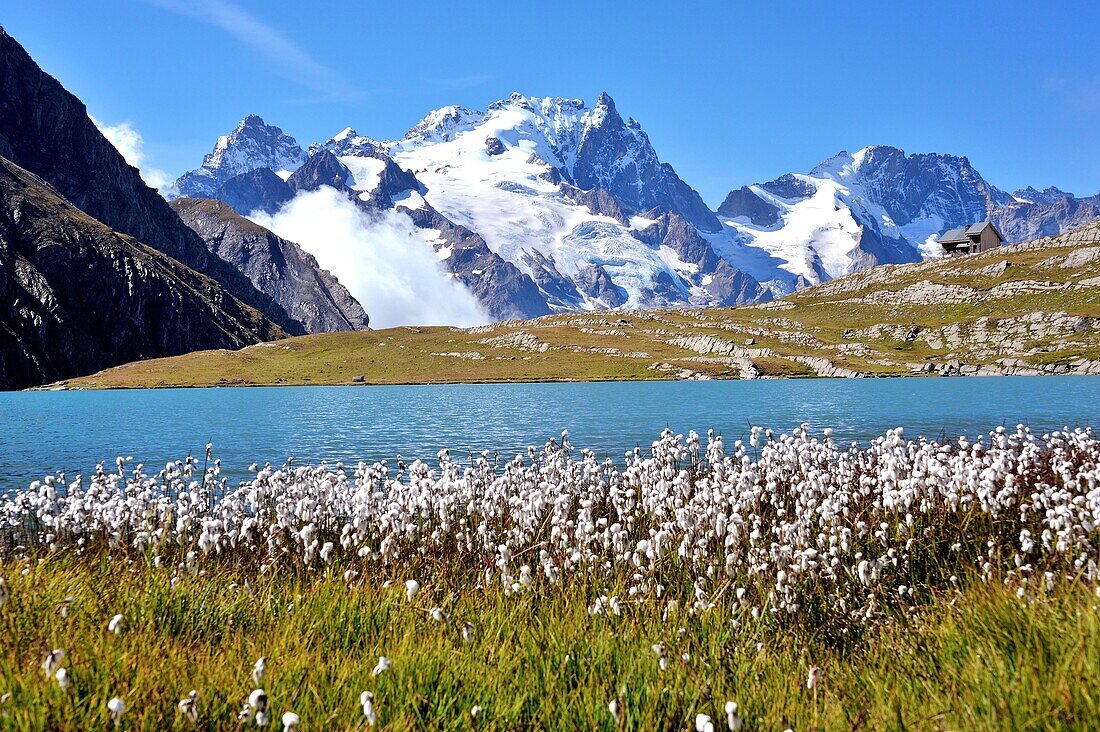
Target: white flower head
[116,624]
[189,706]
[382,665]
[52,660]
[62,677]
[411,588]
[703,723]
[290,721]
[258,670]
[117,708]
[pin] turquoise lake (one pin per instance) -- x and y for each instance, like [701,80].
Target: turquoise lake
[43,432]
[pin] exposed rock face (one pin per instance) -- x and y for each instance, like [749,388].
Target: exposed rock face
[595,282]
[282,269]
[257,190]
[253,144]
[616,155]
[77,297]
[499,286]
[881,206]
[46,130]
[322,169]
[1032,214]
[725,284]
[743,202]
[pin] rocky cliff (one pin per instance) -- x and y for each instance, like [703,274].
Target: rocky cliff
[46,130]
[280,268]
[76,296]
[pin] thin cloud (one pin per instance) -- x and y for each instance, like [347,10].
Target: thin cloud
[285,56]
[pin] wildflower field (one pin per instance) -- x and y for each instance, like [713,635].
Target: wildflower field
[787,582]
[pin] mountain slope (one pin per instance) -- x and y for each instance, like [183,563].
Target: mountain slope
[1032,308]
[535,204]
[878,206]
[76,296]
[46,130]
[251,145]
[311,295]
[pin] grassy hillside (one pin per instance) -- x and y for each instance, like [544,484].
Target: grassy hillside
[1026,309]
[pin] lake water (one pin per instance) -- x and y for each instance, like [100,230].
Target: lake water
[47,431]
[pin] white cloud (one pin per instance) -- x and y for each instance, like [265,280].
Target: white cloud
[285,57]
[382,260]
[129,142]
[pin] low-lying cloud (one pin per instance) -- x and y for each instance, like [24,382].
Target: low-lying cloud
[128,141]
[382,260]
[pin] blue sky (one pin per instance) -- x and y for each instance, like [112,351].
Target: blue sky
[729,92]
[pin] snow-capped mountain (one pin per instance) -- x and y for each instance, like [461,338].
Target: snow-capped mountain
[540,204]
[879,205]
[535,204]
[251,146]
[854,210]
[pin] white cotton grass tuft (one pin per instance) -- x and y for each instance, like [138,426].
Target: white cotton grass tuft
[366,701]
[117,708]
[290,721]
[813,677]
[116,624]
[733,720]
[258,670]
[555,517]
[613,707]
[189,706]
[62,676]
[382,666]
[52,661]
[703,723]
[476,710]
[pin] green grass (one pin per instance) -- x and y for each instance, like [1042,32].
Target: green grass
[814,324]
[978,660]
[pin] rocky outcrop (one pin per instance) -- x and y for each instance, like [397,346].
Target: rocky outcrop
[253,144]
[257,190]
[77,297]
[743,202]
[47,131]
[281,268]
[616,155]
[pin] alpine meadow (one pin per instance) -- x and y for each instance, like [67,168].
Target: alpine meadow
[752,386]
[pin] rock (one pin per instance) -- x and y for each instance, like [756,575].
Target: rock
[493,146]
[280,268]
[46,130]
[77,297]
[359,379]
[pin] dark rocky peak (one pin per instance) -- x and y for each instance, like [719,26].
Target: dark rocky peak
[77,297]
[281,268]
[252,144]
[322,169]
[257,190]
[1042,198]
[790,187]
[47,131]
[742,202]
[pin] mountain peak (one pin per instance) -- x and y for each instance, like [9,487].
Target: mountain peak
[252,144]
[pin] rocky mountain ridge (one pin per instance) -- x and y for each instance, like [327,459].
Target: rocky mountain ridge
[76,296]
